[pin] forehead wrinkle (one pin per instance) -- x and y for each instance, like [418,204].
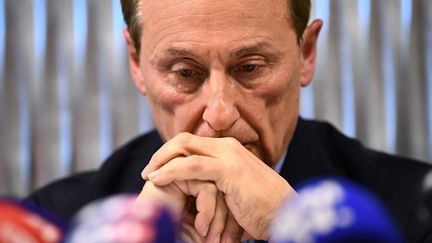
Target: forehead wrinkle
[158,49]
[175,52]
[163,12]
[145,8]
[168,23]
[236,53]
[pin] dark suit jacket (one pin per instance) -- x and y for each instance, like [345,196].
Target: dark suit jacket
[317,149]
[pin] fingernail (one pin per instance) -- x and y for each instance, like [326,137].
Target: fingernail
[143,175]
[153,175]
[206,231]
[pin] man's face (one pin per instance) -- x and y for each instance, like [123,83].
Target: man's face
[222,69]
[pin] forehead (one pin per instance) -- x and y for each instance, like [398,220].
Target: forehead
[245,8]
[212,20]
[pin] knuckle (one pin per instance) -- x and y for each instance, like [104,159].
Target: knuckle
[207,214]
[193,159]
[231,141]
[183,137]
[194,162]
[237,169]
[210,188]
[168,169]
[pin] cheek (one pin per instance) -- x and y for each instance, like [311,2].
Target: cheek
[163,93]
[282,87]
[281,105]
[284,102]
[173,112]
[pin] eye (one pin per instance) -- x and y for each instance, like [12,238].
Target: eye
[249,68]
[252,72]
[186,73]
[186,77]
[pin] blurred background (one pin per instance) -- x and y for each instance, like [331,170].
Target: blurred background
[67,99]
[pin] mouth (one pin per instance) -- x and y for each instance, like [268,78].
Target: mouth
[249,146]
[254,148]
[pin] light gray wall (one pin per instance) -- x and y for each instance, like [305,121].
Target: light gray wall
[67,100]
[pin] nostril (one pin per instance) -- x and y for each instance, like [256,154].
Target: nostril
[220,116]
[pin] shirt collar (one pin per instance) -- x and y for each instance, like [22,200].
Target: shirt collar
[279,164]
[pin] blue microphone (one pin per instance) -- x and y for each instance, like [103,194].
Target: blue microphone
[333,210]
[120,219]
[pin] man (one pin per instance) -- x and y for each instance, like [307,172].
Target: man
[223,81]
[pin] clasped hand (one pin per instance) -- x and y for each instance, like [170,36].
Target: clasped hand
[221,189]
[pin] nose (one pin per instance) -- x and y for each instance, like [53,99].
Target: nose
[220,112]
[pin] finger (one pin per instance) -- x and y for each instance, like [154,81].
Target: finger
[233,232]
[206,202]
[176,147]
[218,223]
[206,206]
[194,167]
[168,151]
[185,144]
[170,195]
[189,234]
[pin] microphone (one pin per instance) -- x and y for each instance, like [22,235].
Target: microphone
[120,219]
[23,222]
[333,210]
[424,212]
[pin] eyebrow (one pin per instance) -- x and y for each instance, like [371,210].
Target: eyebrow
[180,52]
[241,51]
[247,50]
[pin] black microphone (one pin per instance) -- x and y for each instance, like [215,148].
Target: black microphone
[25,222]
[333,210]
[425,206]
[120,219]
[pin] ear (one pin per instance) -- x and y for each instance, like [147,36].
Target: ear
[134,62]
[309,49]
